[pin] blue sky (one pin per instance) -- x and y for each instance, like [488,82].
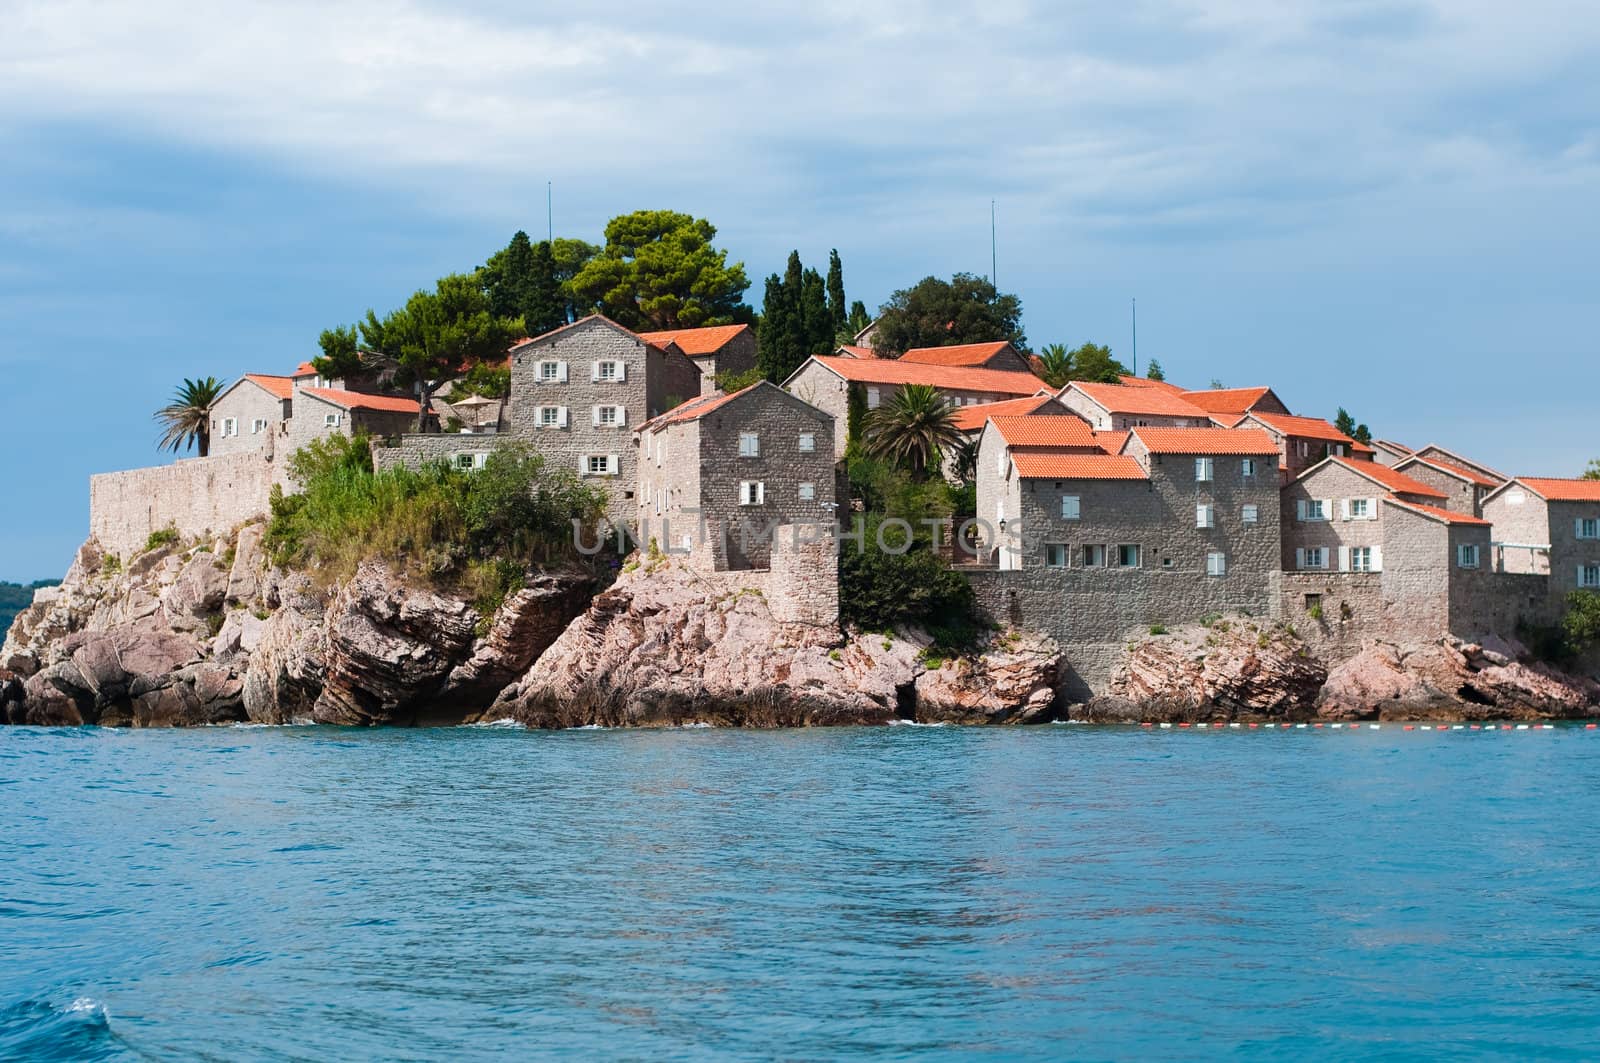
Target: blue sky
[1389,206]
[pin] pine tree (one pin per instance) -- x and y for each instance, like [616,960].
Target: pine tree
[772,337]
[544,308]
[836,304]
[1154,371]
[818,333]
[859,318]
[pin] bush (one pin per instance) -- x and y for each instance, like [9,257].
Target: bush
[161,537]
[879,591]
[1158,629]
[731,382]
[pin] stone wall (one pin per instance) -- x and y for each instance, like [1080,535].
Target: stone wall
[412,451]
[1335,486]
[803,584]
[1461,496]
[1352,610]
[197,496]
[1521,520]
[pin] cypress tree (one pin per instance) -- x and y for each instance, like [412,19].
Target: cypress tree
[817,323]
[859,318]
[543,308]
[836,304]
[772,335]
[509,277]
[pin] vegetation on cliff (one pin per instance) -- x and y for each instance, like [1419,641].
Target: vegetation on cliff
[15,597]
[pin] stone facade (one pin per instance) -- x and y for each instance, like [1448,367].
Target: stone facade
[1548,537]
[578,393]
[413,451]
[1461,493]
[197,496]
[249,417]
[696,465]
[1330,514]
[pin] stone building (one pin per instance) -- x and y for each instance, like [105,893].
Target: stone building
[577,394]
[825,381]
[716,350]
[1388,452]
[1303,441]
[1333,516]
[1002,356]
[1440,456]
[320,412]
[1236,401]
[1464,486]
[251,413]
[969,420]
[1548,526]
[718,475]
[1118,407]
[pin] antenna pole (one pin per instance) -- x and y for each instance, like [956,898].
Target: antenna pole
[549,214]
[993,258]
[1135,337]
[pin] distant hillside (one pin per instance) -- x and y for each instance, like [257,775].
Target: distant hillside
[15,597]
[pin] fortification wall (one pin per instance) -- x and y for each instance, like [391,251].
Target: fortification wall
[416,450]
[197,496]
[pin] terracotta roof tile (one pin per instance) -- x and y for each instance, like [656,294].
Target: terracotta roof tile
[1446,515]
[1389,444]
[1146,382]
[949,378]
[1398,482]
[1064,465]
[969,354]
[281,387]
[1112,442]
[304,369]
[1227,400]
[1046,430]
[1308,428]
[1552,489]
[696,342]
[972,418]
[1118,398]
[1221,441]
[357,400]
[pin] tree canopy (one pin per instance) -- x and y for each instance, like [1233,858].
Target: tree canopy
[520,281]
[1155,372]
[659,270]
[797,319]
[186,420]
[940,313]
[1347,424]
[1593,471]
[1089,361]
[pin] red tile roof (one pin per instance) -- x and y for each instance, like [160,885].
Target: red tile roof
[1146,382]
[1308,428]
[972,418]
[1119,398]
[1046,430]
[1221,441]
[969,354]
[1064,465]
[1398,482]
[1552,489]
[357,400]
[1448,516]
[695,409]
[850,350]
[1112,442]
[946,378]
[281,387]
[305,369]
[1228,420]
[696,342]
[1227,400]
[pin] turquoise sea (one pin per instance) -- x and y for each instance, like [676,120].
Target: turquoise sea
[894,893]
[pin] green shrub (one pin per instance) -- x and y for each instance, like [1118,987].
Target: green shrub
[489,381]
[161,537]
[1581,625]
[879,591]
[111,565]
[1315,612]
[1158,629]
[731,382]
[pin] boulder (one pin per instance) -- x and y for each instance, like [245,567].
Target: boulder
[522,628]
[284,677]
[244,578]
[1453,679]
[241,632]
[196,593]
[1012,681]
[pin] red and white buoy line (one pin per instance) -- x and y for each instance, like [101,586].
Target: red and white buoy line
[1321,726]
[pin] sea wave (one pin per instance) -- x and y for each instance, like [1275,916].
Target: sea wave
[79,1029]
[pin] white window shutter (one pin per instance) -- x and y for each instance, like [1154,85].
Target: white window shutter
[1300,509]
[1199,516]
[1345,503]
[613,464]
[594,372]
[561,372]
[561,417]
[1327,509]
[1577,528]
[1377,559]
[622,370]
[1300,558]
[761,492]
[1344,559]
[622,415]
[594,416]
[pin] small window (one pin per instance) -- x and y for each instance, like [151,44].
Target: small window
[808,442]
[1313,603]
[749,445]
[1204,468]
[549,416]
[1205,516]
[1250,514]
[230,426]
[468,461]
[1360,509]
[1467,555]
[1312,509]
[258,426]
[1361,559]
[1248,467]
[1069,507]
[873,398]
[1588,528]
[1055,555]
[1303,448]
[1128,556]
[598,465]
[808,491]
[606,372]
[607,416]
[330,420]
[752,493]
[1094,557]
[1589,576]
[1216,563]
[1313,557]
[549,372]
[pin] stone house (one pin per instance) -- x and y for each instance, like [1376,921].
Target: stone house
[1236,401]
[825,381]
[1548,526]
[1118,407]
[720,472]
[1388,452]
[251,414]
[1002,356]
[578,392]
[969,420]
[1440,456]
[1303,441]
[1464,486]
[320,412]
[1333,516]
[716,350]
[850,350]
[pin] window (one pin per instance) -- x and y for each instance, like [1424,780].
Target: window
[752,493]
[1336,450]
[1128,556]
[1303,448]
[1588,528]
[1589,576]
[1358,509]
[808,442]
[1205,516]
[608,372]
[609,416]
[552,372]
[873,398]
[1311,509]
[1313,604]
[600,464]
[1467,555]
[1203,469]
[552,417]
[1248,467]
[1250,514]
[230,426]
[330,420]
[1216,563]
[808,491]
[258,426]
[1055,555]
[1069,507]
[468,461]
[1361,559]
[1311,557]
[749,445]
[1094,557]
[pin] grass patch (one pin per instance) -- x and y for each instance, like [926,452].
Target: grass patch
[1158,629]
[161,537]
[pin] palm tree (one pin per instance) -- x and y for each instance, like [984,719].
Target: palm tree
[188,419]
[912,427]
[1054,364]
